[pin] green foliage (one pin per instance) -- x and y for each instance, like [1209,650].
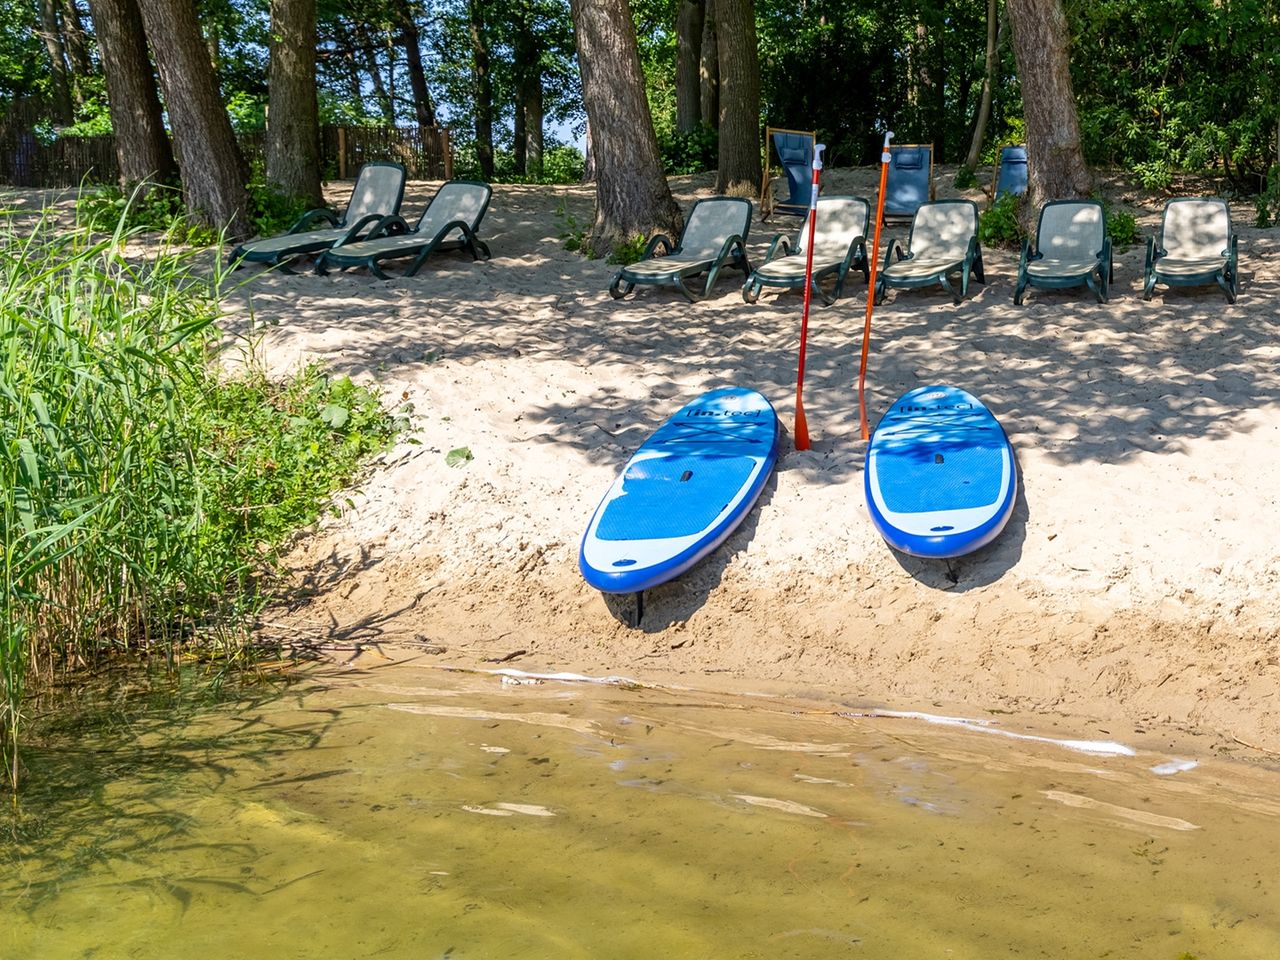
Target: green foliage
[691,152]
[627,251]
[153,207]
[248,112]
[1122,228]
[573,232]
[271,211]
[560,164]
[999,225]
[458,457]
[966,179]
[1268,200]
[141,492]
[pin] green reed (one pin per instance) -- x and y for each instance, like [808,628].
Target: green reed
[135,503]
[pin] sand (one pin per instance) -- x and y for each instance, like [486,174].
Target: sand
[1134,592]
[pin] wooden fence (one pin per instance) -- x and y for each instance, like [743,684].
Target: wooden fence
[29,160]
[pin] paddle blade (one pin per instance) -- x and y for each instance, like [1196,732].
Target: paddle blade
[801,431]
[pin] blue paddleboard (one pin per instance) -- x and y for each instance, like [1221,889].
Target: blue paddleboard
[940,476]
[682,493]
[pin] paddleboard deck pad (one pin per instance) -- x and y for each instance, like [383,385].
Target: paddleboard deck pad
[682,493]
[940,475]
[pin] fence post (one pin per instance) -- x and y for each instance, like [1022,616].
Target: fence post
[448,153]
[342,153]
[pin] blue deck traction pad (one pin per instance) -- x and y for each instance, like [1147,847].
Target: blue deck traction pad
[941,479]
[682,493]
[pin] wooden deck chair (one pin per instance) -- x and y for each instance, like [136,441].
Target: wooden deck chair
[1196,245]
[378,192]
[910,181]
[1071,249]
[450,222]
[943,240]
[839,244]
[1011,171]
[714,234]
[794,149]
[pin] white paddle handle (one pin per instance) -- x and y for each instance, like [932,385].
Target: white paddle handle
[884,156]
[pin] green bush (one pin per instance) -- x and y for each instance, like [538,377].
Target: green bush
[999,225]
[965,179]
[1122,228]
[1267,203]
[627,251]
[150,207]
[691,152]
[271,211]
[143,493]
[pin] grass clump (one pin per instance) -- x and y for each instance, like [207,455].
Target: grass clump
[140,492]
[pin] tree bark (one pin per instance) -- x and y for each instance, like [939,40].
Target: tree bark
[528,107]
[689,26]
[142,146]
[709,70]
[632,196]
[293,116]
[1056,167]
[59,75]
[482,85]
[369,51]
[76,45]
[739,168]
[213,169]
[424,110]
[994,27]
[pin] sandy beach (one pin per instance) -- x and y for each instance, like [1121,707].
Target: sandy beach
[1136,591]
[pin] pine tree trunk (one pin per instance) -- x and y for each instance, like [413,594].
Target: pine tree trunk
[988,81]
[1055,161]
[59,79]
[709,70]
[424,110]
[142,146]
[739,168]
[482,85]
[689,25]
[293,118]
[632,196]
[213,169]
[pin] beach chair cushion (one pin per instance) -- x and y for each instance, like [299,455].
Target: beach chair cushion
[910,179]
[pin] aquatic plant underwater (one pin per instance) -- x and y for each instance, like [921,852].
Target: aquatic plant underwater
[143,491]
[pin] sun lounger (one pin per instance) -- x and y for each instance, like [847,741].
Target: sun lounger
[910,180]
[714,234]
[1071,248]
[1196,245]
[943,240]
[839,244]
[450,222]
[795,153]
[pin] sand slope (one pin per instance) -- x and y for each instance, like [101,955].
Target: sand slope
[1138,582]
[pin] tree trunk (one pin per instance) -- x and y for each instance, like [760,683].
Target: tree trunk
[1056,167]
[588,156]
[739,168]
[424,110]
[369,51]
[482,85]
[689,26]
[59,79]
[709,70]
[528,108]
[355,89]
[293,118]
[142,146]
[632,196]
[213,169]
[76,45]
[988,79]
[533,114]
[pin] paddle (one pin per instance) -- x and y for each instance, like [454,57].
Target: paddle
[802,425]
[871,287]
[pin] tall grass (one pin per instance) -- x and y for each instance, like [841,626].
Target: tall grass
[138,488]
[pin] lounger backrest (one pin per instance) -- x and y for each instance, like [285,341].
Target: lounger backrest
[378,191]
[942,230]
[1011,174]
[910,179]
[841,220]
[711,222]
[456,200]
[1196,229]
[795,153]
[1071,230]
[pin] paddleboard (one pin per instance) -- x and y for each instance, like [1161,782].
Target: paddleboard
[682,493]
[940,475]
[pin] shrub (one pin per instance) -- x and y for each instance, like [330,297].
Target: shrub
[999,225]
[691,152]
[1122,228]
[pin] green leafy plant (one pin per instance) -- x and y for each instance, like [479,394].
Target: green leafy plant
[966,179]
[691,152]
[271,211]
[627,251]
[1122,228]
[1267,203]
[150,207]
[999,225]
[458,457]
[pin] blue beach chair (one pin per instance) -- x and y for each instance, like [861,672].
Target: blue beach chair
[795,153]
[1011,171]
[910,180]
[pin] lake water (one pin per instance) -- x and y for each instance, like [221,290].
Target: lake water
[411,812]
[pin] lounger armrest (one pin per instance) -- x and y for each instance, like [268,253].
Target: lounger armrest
[387,225]
[359,229]
[888,253]
[726,248]
[851,255]
[658,239]
[1106,259]
[311,216]
[1232,252]
[780,241]
[1026,257]
[1152,252]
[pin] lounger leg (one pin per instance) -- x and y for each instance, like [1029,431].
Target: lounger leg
[1149,287]
[817,288]
[978,273]
[946,285]
[1226,286]
[750,292]
[378,271]
[617,289]
[689,294]
[1092,285]
[1018,292]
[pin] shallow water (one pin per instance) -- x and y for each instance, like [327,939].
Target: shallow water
[410,812]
